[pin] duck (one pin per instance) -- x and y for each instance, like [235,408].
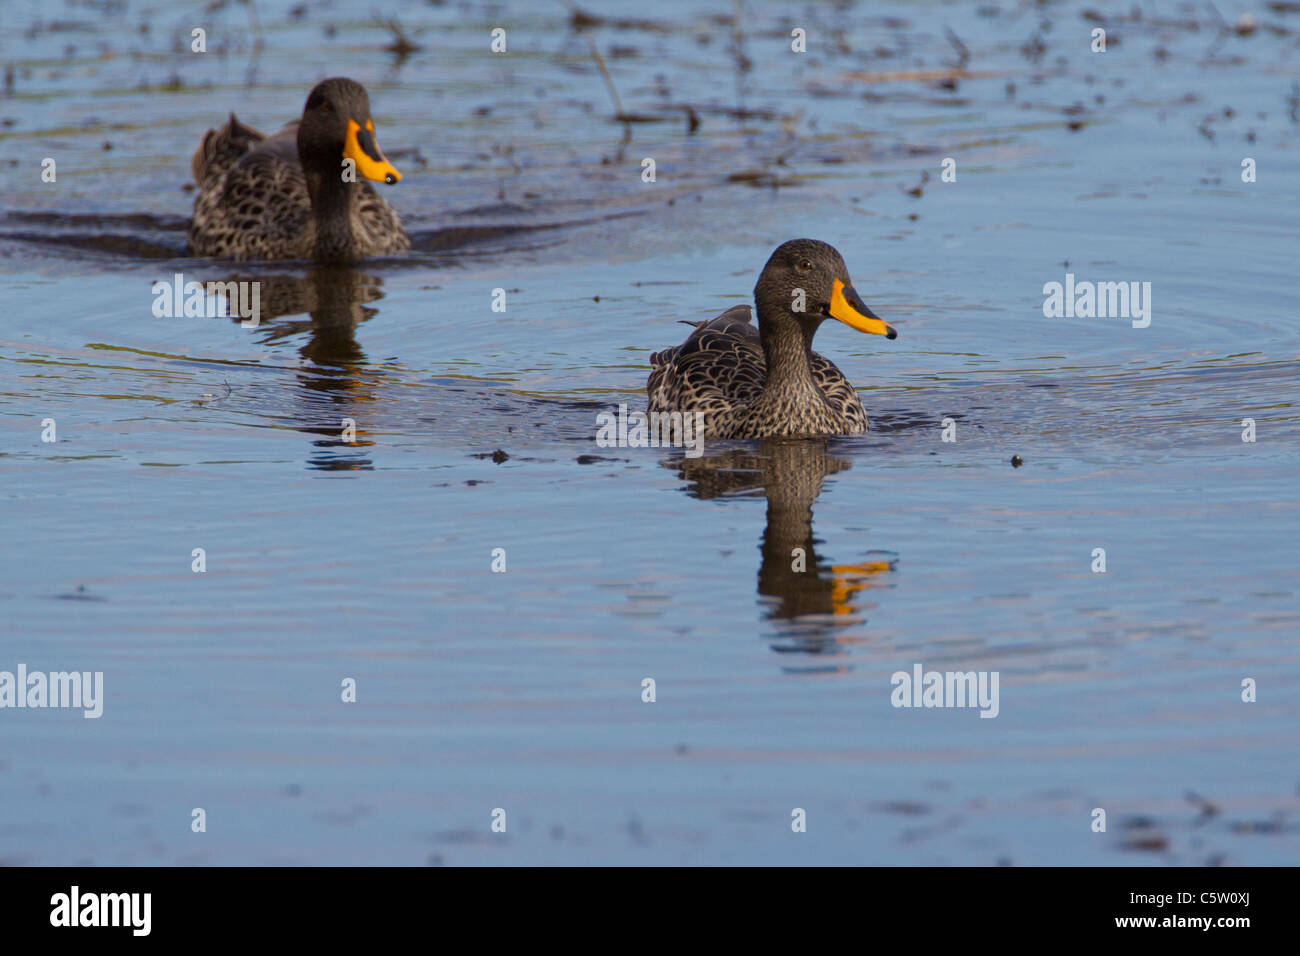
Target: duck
[300,192]
[767,382]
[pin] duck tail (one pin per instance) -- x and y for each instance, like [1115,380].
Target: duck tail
[222,148]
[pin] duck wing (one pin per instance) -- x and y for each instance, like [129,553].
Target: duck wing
[718,368]
[252,202]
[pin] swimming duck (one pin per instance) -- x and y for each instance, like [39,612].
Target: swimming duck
[296,194]
[768,382]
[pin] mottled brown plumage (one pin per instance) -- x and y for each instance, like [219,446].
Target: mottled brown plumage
[286,196]
[767,382]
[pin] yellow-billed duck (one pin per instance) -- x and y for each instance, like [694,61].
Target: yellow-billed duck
[768,382]
[295,195]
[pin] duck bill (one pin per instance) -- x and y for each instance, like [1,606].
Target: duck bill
[848,307]
[359,146]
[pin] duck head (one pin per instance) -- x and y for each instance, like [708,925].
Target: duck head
[807,281]
[336,125]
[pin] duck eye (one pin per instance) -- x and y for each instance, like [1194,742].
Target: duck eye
[327,107]
[804,266]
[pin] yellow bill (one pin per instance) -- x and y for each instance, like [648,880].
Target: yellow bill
[359,146]
[848,307]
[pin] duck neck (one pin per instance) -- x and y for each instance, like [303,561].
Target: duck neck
[333,203]
[787,347]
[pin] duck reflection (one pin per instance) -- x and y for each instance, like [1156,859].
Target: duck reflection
[337,383]
[810,601]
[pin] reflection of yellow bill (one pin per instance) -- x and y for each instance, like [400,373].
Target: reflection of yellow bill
[848,307]
[870,567]
[847,581]
[359,146]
